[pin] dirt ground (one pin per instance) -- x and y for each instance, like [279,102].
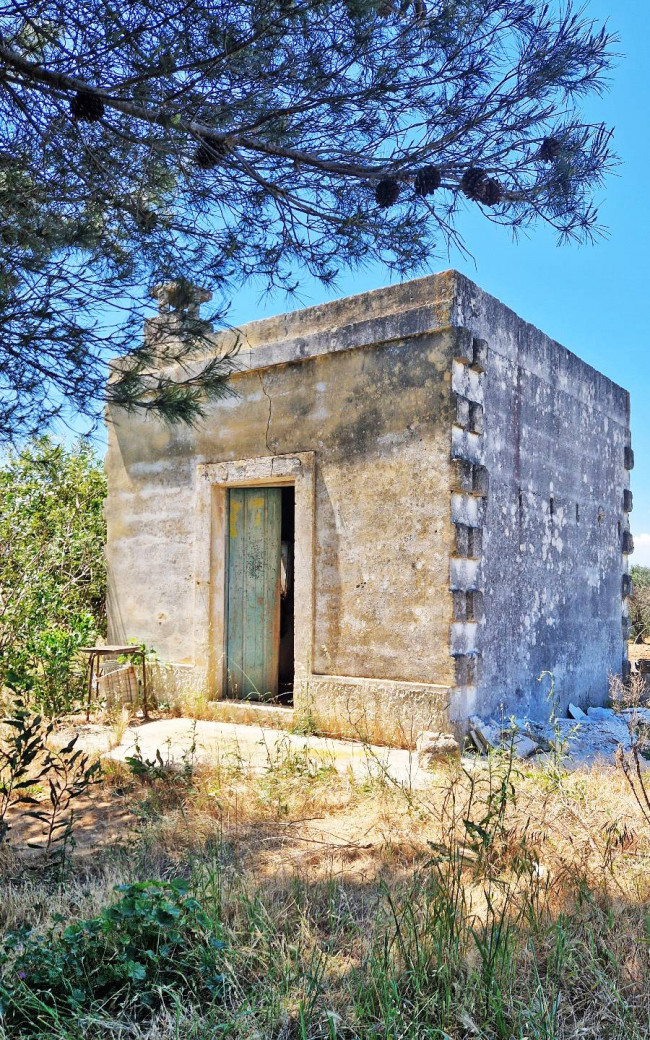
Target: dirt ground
[323,852]
[294,803]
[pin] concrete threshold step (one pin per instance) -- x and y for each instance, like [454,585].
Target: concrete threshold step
[253,713]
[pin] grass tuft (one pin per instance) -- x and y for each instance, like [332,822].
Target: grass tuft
[506,901]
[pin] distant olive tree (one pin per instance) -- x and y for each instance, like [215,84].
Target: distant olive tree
[52,573]
[211,141]
[639,604]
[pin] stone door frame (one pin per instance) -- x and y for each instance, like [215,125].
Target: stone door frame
[212,482]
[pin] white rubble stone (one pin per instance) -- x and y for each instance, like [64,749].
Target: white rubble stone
[577,713]
[433,747]
[600,713]
[489,736]
[524,746]
[637,710]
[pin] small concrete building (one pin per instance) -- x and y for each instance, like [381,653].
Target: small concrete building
[413,506]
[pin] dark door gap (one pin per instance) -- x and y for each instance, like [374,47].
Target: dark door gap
[287,535]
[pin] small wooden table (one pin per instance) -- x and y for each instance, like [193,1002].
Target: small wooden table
[95,655]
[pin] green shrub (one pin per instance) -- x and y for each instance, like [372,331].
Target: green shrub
[155,939]
[52,572]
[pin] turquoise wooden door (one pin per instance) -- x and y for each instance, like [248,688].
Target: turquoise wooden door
[253,592]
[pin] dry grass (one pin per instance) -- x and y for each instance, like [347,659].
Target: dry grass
[501,902]
[585,823]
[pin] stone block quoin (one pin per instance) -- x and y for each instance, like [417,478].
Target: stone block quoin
[469,489]
[627,548]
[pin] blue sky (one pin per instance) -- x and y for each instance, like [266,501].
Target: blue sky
[593,299]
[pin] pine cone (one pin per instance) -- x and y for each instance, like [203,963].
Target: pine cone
[490,192]
[471,182]
[427,180]
[210,152]
[550,149]
[86,106]
[386,192]
[476,185]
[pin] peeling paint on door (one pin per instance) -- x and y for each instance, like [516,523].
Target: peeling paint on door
[253,592]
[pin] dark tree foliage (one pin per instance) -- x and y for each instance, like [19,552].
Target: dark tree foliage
[215,140]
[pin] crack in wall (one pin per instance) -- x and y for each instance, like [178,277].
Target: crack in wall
[268,421]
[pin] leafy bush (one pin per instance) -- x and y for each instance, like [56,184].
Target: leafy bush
[52,572]
[156,938]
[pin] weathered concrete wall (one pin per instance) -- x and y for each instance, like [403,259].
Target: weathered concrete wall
[555,518]
[378,417]
[380,711]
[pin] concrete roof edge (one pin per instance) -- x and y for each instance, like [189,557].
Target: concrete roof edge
[302,333]
[346,311]
[463,281]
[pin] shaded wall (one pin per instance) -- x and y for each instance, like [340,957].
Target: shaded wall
[555,436]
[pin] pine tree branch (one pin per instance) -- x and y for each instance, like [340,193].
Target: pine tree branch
[31,71]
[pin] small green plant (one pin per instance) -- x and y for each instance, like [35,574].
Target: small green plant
[21,746]
[304,723]
[559,746]
[165,769]
[68,773]
[155,939]
[150,769]
[285,760]
[28,763]
[489,836]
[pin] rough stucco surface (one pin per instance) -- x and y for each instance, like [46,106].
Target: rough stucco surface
[555,429]
[376,710]
[430,592]
[378,419]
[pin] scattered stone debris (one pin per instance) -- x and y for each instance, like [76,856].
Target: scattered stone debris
[583,738]
[639,714]
[490,735]
[524,746]
[433,747]
[486,735]
[575,712]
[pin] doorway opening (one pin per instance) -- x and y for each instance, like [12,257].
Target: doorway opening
[288,533]
[260,594]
